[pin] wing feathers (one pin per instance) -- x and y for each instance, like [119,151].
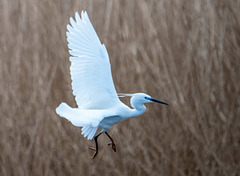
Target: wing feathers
[89,131]
[80,53]
[92,133]
[77,17]
[92,81]
[90,69]
[85,130]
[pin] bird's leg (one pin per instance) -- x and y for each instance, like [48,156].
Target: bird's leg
[112,142]
[96,143]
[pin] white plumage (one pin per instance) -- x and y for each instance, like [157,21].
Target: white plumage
[90,67]
[92,84]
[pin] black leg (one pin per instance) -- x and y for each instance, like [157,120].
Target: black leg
[96,143]
[112,142]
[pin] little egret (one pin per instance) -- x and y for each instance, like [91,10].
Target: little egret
[92,84]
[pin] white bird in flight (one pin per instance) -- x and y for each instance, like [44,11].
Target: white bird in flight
[98,102]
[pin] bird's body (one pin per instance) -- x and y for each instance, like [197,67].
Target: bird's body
[98,102]
[122,113]
[104,118]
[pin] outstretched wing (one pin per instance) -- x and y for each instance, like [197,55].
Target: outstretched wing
[90,69]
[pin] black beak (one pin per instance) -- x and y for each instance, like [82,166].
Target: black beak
[157,101]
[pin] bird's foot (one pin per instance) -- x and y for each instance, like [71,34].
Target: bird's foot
[95,153]
[113,146]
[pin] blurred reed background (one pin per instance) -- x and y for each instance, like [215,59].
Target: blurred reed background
[186,53]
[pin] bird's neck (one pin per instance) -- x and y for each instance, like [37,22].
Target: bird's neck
[138,108]
[137,111]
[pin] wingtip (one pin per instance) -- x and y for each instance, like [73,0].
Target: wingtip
[72,21]
[77,17]
[82,13]
[85,12]
[68,27]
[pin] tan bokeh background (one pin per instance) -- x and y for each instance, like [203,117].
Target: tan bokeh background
[186,53]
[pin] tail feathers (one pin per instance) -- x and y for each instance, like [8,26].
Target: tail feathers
[89,131]
[71,114]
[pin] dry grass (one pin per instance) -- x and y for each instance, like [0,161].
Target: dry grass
[185,53]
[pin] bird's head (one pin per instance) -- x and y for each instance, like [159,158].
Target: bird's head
[144,98]
[139,99]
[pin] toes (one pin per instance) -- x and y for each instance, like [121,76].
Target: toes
[94,155]
[113,146]
[91,148]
